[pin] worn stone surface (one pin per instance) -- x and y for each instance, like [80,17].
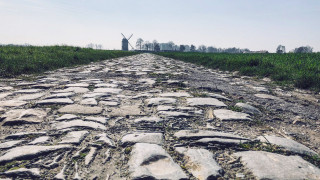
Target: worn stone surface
[151,138]
[197,134]
[78,123]
[58,101]
[151,161]
[74,137]
[228,115]
[160,101]
[127,111]
[120,103]
[200,163]
[288,144]
[28,152]
[248,108]
[24,116]
[79,109]
[265,165]
[12,103]
[10,144]
[205,102]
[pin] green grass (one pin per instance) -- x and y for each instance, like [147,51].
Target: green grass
[17,60]
[298,70]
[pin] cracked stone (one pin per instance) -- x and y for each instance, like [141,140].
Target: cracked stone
[228,115]
[151,161]
[24,116]
[267,96]
[288,144]
[152,119]
[205,102]
[79,109]
[101,120]
[127,111]
[29,152]
[40,140]
[160,101]
[151,138]
[74,137]
[108,90]
[12,103]
[105,139]
[175,94]
[89,101]
[10,144]
[198,134]
[200,163]
[59,101]
[30,97]
[248,108]
[78,123]
[265,165]
[67,117]
[23,172]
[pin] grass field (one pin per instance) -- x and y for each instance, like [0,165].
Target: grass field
[16,60]
[298,70]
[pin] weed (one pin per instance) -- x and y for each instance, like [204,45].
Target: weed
[128,150]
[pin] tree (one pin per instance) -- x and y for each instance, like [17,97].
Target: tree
[171,45]
[91,45]
[182,48]
[147,45]
[281,49]
[202,48]
[303,49]
[139,43]
[212,49]
[192,48]
[157,48]
[154,43]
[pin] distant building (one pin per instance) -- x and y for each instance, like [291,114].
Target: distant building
[165,47]
[125,43]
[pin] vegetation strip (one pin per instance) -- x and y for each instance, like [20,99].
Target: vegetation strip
[17,60]
[299,69]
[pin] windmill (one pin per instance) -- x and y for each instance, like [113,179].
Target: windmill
[125,42]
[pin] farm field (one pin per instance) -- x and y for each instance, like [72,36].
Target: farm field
[298,70]
[16,60]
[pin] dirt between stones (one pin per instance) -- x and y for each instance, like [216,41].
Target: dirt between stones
[143,95]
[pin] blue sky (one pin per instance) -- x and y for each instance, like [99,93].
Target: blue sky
[253,24]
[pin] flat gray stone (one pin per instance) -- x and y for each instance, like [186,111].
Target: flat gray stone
[228,115]
[43,86]
[127,111]
[248,108]
[205,102]
[74,137]
[102,120]
[200,163]
[260,89]
[12,103]
[105,139]
[265,165]
[160,101]
[107,90]
[90,156]
[4,95]
[58,101]
[173,114]
[147,81]
[106,85]
[30,97]
[77,90]
[175,94]
[61,95]
[23,172]
[165,108]
[78,85]
[198,134]
[28,91]
[152,119]
[153,162]
[151,138]
[28,152]
[221,141]
[67,117]
[10,144]
[288,144]
[89,101]
[79,109]
[109,103]
[40,140]
[24,116]
[267,96]
[78,123]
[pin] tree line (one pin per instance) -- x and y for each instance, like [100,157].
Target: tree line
[171,46]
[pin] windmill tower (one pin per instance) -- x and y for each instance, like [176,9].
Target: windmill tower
[125,43]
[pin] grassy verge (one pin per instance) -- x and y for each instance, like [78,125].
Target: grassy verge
[299,70]
[16,60]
